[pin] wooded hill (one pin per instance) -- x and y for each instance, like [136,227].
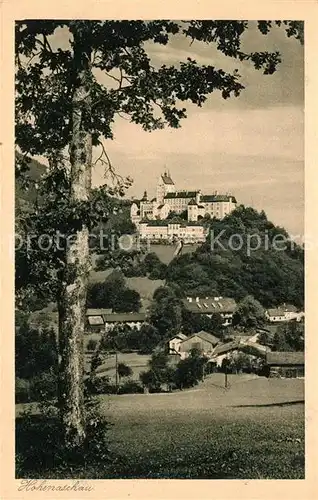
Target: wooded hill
[273,273]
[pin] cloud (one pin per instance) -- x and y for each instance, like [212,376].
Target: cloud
[277,132]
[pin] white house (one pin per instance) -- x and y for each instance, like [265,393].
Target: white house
[104,320]
[175,342]
[208,306]
[284,313]
[189,232]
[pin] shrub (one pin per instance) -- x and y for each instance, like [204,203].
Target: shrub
[91,345]
[130,387]
[40,446]
[22,390]
[124,370]
[100,385]
[43,386]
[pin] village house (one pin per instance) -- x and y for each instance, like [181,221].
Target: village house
[209,306]
[104,320]
[132,320]
[222,351]
[284,313]
[203,341]
[286,364]
[175,342]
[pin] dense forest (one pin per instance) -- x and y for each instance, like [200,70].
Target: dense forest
[273,273]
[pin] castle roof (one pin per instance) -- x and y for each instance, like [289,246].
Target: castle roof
[167,179]
[181,194]
[217,198]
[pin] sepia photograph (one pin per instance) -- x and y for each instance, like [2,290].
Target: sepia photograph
[159,250]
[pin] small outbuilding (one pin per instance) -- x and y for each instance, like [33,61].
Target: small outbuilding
[286,364]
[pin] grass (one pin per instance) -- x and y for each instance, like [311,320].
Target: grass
[137,362]
[166,252]
[253,430]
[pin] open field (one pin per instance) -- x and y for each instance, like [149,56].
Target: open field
[137,362]
[253,430]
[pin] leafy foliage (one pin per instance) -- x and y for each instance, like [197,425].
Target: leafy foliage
[289,337]
[114,294]
[35,351]
[189,371]
[272,274]
[249,313]
[165,314]
[124,370]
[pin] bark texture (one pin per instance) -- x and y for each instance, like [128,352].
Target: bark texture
[77,261]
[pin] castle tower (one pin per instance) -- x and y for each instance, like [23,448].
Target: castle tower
[165,185]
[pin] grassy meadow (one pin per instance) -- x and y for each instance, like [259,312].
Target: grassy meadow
[252,430]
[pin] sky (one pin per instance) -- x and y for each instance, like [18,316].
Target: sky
[251,146]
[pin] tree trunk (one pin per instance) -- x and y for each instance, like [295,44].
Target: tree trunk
[72,299]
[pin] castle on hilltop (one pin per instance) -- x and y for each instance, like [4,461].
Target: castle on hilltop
[148,215]
[168,199]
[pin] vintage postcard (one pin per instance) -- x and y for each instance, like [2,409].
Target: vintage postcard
[159,333]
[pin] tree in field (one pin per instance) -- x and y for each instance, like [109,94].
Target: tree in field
[127,301]
[249,314]
[64,110]
[165,313]
[159,372]
[124,370]
[190,370]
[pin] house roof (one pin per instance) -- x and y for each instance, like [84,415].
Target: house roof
[180,336]
[244,338]
[167,179]
[275,312]
[208,337]
[95,320]
[227,347]
[181,194]
[238,345]
[210,305]
[217,198]
[285,358]
[97,312]
[288,308]
[123,317]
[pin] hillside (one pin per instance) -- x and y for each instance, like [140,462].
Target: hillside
[35,171]
[228,265]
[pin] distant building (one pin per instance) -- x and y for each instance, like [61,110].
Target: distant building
[222,351]
[168,199]
[209,306]
[169,230]
[203,341]
[283,313]
[104,320]
[286,364]
[133,320]
[215,205]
